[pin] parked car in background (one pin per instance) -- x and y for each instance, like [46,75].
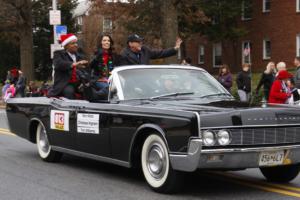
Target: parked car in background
[165,120]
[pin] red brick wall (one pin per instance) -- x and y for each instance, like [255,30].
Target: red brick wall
[280,25]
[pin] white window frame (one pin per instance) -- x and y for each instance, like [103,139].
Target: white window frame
[243,48]
[107,28]
[298,45]
[215,45]
[265,57]
[201,52]
[79,20]
[298,6]
[264,6]
[243,12]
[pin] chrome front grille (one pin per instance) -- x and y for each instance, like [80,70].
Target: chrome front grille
[257,136]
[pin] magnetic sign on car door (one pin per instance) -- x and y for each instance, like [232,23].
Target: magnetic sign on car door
[59,120]
[88,123]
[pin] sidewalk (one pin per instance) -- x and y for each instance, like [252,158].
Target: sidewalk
[2,104]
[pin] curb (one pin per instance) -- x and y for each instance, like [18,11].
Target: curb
[2,105]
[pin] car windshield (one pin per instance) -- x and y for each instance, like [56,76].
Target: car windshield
[156,83]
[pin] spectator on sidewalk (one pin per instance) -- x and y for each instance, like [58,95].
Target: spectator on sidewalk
[44,89]
[267,79]
[243,81]
[137,54]
[21,85]
[280,66]
[10,92]
[9,76]
[186,61]
[280,91]
[14,75]
[32,90]
[4,88]
[225,77]
[297,74]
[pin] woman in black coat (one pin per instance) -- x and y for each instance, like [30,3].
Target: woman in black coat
[267,79]
[103,62]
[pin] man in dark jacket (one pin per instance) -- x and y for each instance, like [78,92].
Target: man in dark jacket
[137,54]
[65,64]
[243,82]
[297,74]
[21,85]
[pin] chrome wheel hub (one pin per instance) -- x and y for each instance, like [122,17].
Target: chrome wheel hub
[156,161]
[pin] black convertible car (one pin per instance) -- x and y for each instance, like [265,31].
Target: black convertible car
[167,120]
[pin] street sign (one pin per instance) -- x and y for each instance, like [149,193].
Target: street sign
[55,17]
[55,47]
[60,30]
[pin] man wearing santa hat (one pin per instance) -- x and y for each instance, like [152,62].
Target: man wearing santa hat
[66,62]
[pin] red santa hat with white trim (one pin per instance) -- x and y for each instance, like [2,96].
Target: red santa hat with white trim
[67,38]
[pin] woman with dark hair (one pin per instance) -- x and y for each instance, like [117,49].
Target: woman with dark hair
[225,77]
[103,62]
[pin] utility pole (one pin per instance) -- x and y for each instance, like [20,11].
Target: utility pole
[54,7]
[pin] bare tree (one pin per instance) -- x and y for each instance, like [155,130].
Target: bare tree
[160,22]
[16,18]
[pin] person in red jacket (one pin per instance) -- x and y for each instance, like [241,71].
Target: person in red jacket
[280,91]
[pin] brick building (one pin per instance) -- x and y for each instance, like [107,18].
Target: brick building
[274,35]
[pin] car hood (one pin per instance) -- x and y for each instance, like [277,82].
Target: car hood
[233,113]
[196,106]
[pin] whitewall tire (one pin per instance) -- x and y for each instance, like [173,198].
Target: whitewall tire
[44,148]
[156,166]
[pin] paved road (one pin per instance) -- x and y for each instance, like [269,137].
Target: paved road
[24,176]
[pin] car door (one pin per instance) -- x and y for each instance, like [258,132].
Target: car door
[92,132]
[61,132]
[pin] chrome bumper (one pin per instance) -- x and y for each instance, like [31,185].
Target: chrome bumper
[236,158]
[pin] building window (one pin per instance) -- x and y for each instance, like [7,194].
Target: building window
[246,52]
[107,25]
[217,54]
[201,54]
[79,20]
[246,9]
[266,5]
[266,49]
[297,5]
[298,46]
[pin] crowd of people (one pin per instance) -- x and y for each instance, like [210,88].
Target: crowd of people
[15,86]
[279,86]
[71,70]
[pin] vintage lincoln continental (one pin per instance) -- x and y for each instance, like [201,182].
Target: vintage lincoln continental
[166,121]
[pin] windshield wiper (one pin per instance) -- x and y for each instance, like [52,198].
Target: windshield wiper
[216,94]
[175,94]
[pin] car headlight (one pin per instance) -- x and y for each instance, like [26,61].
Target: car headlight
[208,138]
[223,137]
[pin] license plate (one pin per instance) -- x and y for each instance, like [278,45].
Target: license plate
[271,158]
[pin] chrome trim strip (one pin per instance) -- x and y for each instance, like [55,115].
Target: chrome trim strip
[255,149]
[198,121]
[138,114]
[190,161]
[92,156]
[250,126]
[129,67]
[117,81]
